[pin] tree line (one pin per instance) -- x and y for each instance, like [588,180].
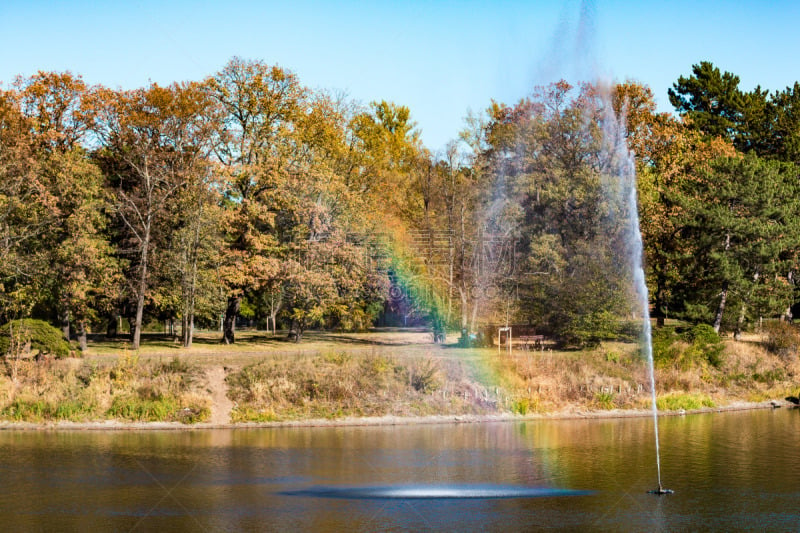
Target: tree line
[249,194]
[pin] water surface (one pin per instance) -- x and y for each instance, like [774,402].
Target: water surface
[731,471]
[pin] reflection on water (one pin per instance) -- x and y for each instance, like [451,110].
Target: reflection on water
[419,491]
[729,471]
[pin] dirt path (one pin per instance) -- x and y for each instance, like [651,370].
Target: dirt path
[221,406]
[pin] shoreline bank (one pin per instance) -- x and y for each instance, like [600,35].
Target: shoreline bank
[389,420]
[406,381]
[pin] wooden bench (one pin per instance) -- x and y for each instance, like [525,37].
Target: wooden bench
[537,341]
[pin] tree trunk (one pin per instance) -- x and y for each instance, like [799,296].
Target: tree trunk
[787,315]
[474,317]
[721,308]
[229,324]
[111,330]
[130,316]
[63,318]
[275,307]
[187,318]
[82,336]
[273,316]
[743,311]
[192,289]
[188,337]
[184,329]
[463,293]
[660,303]
[737,335]
[724,294]
[137,327]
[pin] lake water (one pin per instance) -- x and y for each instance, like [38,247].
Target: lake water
[730,471]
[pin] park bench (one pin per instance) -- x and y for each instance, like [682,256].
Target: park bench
[535,341]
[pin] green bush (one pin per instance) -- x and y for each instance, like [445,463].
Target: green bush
[706,345]
[43,337]
[702,334]
[629,330]
[591,329]
[41,410]
[664,349]
[521,407]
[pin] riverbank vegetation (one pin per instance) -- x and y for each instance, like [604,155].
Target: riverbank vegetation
[85,391]
[248,199]
[403,375]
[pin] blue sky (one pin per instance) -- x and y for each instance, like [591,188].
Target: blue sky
[439,58]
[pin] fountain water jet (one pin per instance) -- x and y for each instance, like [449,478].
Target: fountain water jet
[621,164]
[641,291]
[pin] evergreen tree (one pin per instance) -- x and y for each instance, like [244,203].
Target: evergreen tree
[742,218]
[710,99]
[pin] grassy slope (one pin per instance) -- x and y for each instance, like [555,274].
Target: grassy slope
[402,373]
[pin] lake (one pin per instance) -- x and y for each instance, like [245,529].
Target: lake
[730,471]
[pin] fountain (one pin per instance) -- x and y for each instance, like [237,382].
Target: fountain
[621,162]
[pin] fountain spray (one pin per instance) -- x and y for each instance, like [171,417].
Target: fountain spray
[620,163]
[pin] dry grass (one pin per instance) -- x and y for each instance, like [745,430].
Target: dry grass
[388,372]
[80,390]
[608,377]
[339,384]
[615,376]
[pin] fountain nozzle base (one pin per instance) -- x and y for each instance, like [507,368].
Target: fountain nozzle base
[661,491]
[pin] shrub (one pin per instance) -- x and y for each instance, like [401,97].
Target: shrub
[590,329]
[604,400]
[43,337]
[143,410]
[629,330]
[782,339]
[705,344]
[702,334]
[37,410]
[423,376]
[521,406]
[664,349]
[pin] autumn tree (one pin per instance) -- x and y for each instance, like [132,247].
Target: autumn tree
[669,154]
[187,283]
[547,159]
[82,280]
[446,193]
[153,140]
[261,107]
[386,152]
[24,216]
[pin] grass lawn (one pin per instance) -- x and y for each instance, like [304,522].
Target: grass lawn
[251,344]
